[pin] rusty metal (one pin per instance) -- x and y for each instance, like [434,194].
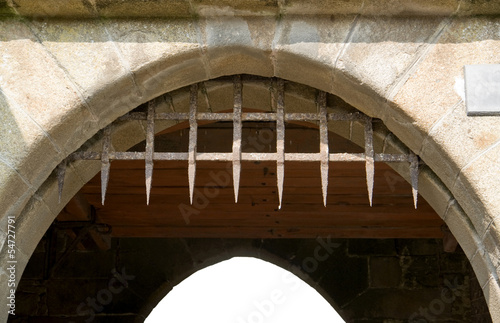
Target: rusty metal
[322,117]
[369,158]
[323,144]
[150,147]
[237,129]
[280,139]
[105,162]
[193,139]
[204,91]
[61,173]
[414,172]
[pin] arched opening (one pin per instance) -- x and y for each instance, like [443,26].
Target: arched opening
[359,262]
[243,290]
[281,55]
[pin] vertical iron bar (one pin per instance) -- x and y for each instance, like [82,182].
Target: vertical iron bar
[323,144]
[237,135]
[414,173]
[272,90]
[369,158]
[204,91]
[193,134]
[61,173]
[280,139]
[150,137]
[105,163]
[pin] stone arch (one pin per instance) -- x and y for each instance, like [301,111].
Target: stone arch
[433,125]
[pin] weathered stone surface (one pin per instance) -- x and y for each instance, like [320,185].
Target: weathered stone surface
[481,175]
[491,241]
[434,191]
[116,8]
[491,292]
[430,91]
[101,80]
[160,55]
[238,45]
[53,8]
[30,74]
[482,267]
[187,8]
[306,49]
[394,47]
[49,191]
[32,225]
[462,229]
[16,190]
[464,138]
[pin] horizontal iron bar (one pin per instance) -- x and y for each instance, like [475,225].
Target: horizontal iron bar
[334,157]
[245,116]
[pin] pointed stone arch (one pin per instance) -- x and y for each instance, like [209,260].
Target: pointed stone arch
[51,106]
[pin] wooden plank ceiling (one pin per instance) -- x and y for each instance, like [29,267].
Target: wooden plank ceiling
[256,215]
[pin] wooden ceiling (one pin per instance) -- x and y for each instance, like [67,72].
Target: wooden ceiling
[256,215]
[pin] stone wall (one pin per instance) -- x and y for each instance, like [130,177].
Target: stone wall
[62,80]
[391,280]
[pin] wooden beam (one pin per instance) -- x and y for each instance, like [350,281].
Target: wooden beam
[79,209]
[273,233]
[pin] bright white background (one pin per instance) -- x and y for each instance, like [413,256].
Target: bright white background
[243,290]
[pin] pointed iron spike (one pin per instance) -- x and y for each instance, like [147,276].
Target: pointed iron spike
[105,162]
[237,129]
[236,179]
[281,176]
[414,173]
[280,139]
[193,134]
[369,157]
[150,137]
[324,181]
[149,176]
[370,171]
[104,180]
[324,149]
[191,175]
[61,173]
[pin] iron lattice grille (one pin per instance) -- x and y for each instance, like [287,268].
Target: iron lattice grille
[324,157]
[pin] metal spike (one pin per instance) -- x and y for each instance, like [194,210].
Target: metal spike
[193,131]
[105,163]
[61,173]
[323,144]
[280,139]
[150,137]
[369,158]
[414,173]
[237,135]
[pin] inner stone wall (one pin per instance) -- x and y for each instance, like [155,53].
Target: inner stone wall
[392,280]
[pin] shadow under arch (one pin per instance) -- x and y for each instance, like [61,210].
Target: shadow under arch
[45,197]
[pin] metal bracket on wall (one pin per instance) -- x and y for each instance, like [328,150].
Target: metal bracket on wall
[323,117]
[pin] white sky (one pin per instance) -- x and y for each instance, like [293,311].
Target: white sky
[243,290]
